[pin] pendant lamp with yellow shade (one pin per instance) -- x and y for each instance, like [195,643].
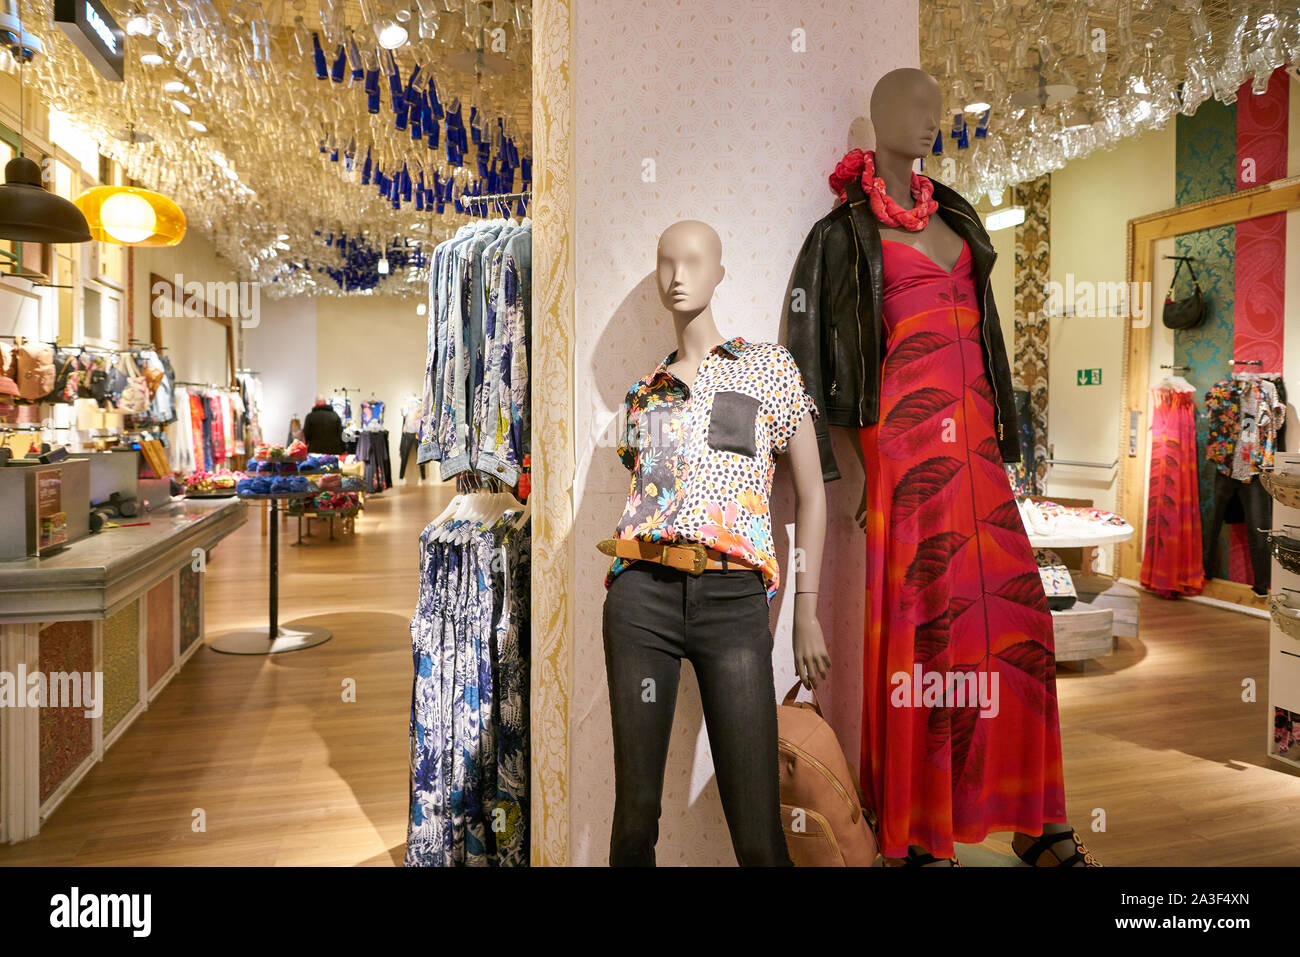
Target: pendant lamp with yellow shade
[131,216]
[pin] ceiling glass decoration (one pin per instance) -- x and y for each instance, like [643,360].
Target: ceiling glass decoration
[1033,84]
[281,124]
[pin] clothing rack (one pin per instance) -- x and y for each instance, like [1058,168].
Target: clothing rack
[1247,362]
[469,483]
[206,385]
[1176,368]
[494,198]
[1083,465]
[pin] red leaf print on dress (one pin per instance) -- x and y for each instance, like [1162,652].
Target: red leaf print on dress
[926,587]
[1005,527]
[925,496]
[915,357]
[916,422]
[1027,668]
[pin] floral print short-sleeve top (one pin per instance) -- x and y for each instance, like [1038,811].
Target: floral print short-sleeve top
[702,457]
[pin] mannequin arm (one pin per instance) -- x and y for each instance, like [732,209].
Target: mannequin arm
[811,660]
[864,504]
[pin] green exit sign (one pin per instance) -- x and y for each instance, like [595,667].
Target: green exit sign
[1089,377]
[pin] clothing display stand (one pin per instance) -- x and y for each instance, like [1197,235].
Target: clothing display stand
[1283,651]
[1084,631]
[275,640]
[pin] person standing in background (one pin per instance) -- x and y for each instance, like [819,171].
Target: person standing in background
[323,429]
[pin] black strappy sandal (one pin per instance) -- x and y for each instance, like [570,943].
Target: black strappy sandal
[922,859]
[1033,854]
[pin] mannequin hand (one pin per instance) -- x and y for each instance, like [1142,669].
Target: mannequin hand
[863,506]
[812,662]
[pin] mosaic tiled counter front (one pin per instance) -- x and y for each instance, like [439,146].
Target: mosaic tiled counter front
[88,637]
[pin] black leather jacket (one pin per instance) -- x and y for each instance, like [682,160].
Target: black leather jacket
[834,326]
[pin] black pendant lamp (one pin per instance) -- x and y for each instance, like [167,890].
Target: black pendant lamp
[30,213]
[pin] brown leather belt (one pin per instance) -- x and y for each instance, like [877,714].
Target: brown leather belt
[685,556]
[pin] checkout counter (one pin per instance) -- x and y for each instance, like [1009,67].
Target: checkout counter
[123,606]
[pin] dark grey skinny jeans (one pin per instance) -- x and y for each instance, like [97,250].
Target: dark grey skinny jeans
[654,617]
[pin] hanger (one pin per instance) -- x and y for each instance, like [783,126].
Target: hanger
[524,516]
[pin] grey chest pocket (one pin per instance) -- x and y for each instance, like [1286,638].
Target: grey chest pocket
[732,423]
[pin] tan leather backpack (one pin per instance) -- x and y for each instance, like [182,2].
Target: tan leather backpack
[35,369]
[824,822]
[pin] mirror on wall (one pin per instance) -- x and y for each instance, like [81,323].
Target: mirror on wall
[1229,350]
[197,335]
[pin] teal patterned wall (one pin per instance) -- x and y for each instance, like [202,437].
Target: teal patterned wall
[1206,158]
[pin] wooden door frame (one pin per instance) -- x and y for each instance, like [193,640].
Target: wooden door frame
[165,288]
[1144,232]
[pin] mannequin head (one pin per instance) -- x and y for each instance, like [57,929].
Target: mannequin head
[907,113]
[689,266]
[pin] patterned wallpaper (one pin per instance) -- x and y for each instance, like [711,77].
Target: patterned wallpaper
[552,354]
[1206,153]
[160,621]
[1260,314]
[733,115]
[191,607]
[121,664]
[1033,331]
[65,733]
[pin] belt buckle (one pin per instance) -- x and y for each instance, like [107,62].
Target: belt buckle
[701,558]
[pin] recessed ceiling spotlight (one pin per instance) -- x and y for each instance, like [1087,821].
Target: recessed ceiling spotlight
[219,160]
[152,59]
[175,86]
[198,127]
[182,107]
[231,173]
[282,237]
[137,24]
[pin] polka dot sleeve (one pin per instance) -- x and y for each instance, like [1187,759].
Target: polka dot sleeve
[788,402]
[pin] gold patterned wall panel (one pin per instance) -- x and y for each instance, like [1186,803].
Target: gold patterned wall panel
[121,664]
[1033,271]
[552,439]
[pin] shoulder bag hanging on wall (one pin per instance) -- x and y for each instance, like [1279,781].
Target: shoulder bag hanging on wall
[35,370]
[135,394]
[1184,313]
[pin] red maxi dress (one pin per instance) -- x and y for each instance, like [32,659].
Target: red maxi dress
[954,598]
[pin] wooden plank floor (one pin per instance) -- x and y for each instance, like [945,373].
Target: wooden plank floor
[286,772]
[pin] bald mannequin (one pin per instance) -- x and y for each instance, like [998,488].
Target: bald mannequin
[907,114]
[688,271]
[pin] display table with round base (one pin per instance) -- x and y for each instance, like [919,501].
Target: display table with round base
[254,641]
[1086,631]
[275,639]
